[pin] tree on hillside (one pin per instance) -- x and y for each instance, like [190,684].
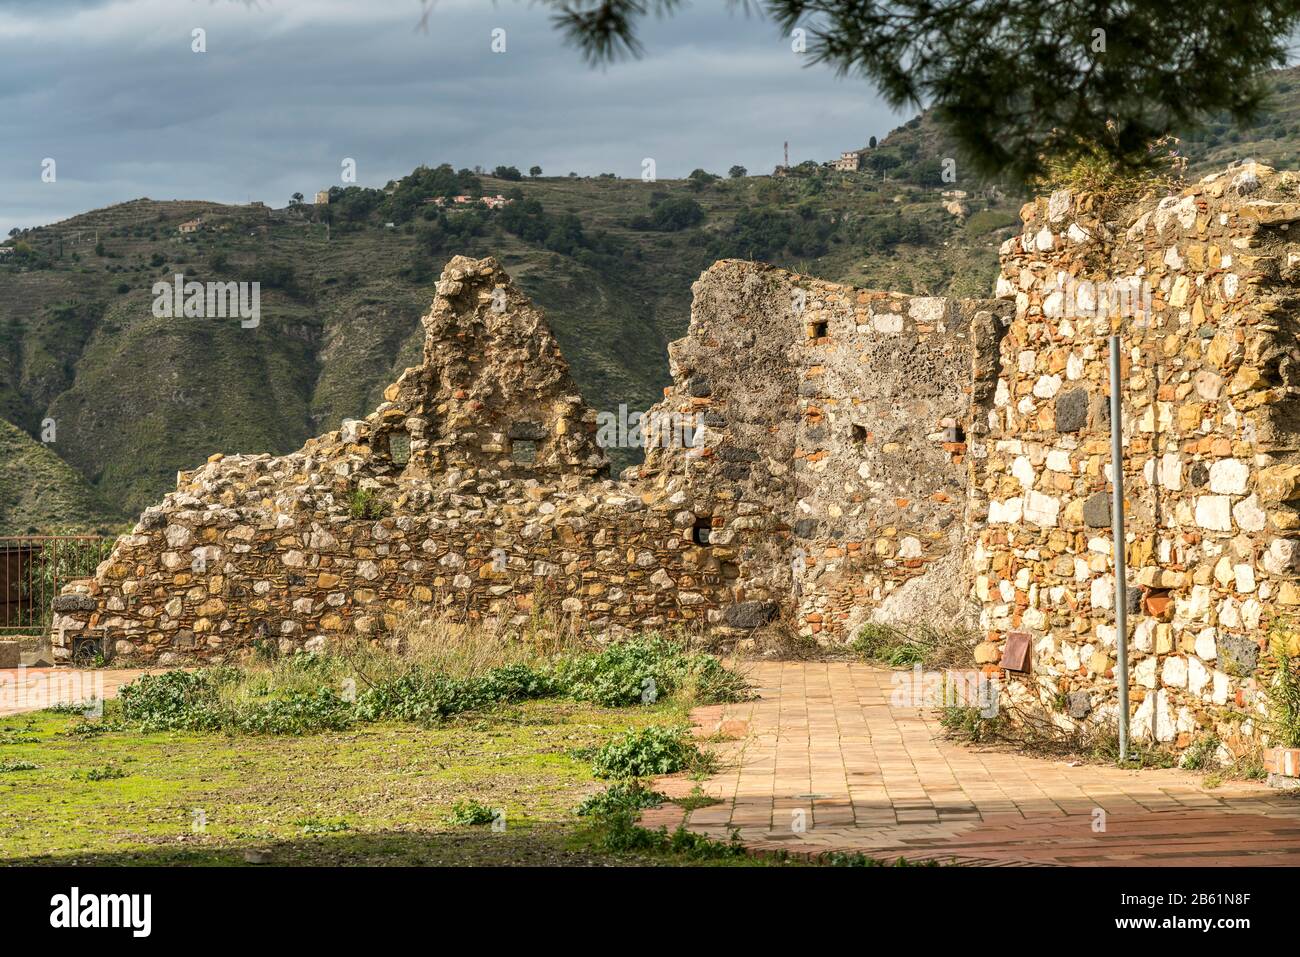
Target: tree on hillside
[296,199]
[871,143]
[1017,81]
[737,172]
[507,172]
[699,178]
[671,215]
[534,171]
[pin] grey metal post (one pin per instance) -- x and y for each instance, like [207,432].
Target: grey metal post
[1117,538]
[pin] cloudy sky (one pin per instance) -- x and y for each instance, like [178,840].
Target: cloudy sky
[112,91]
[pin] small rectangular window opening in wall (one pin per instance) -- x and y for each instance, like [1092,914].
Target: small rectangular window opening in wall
[523,451]
[702,533]
[818,329]
[858,433]
[399,448]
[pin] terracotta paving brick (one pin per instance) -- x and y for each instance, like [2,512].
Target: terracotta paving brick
[829,762]
[32,689]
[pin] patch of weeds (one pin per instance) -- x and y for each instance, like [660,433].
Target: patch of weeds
[78,707]
[17,764]
[470,814]
[298,712]
[629,796]
[364,503]
[1244,767]
[21,735]
[649,751]
[311,825]
[422,695]
[1201,754]
[87,729]
[971,725]
[175,700]
[696,799]
[647,669]
[618,832]
[105,772]
[902,647]
[209,700]
[1141,754]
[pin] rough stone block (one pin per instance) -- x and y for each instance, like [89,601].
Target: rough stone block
[1072,410]
[1079,704]
[751,614]
[71,603]
[1096,510]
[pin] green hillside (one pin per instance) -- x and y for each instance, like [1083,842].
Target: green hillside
[137,397]
[39,492]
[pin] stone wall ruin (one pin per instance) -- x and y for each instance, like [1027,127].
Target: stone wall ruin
[848,456]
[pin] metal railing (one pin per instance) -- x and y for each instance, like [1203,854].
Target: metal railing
[33,568]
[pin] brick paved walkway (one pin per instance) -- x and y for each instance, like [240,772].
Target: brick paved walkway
[824,745]
[31,689]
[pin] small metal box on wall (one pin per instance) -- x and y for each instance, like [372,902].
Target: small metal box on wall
[1015,653]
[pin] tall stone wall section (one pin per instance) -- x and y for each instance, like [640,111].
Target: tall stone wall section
[1209,389]
[836,416]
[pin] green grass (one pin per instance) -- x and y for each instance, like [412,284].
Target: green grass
[395,786]
[461,729]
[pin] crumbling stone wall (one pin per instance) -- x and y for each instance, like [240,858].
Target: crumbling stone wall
[836,416]
[823,457]
[477,489]
[1210,452]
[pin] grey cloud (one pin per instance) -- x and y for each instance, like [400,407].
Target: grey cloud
[287,90]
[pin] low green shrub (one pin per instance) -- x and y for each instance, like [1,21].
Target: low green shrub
[106,773]
[173,701]
[647,752]
[298,712]
[971,725]
[423,696]
[618,832]
[645,669]
[470,814]
[16,764]
[630,796]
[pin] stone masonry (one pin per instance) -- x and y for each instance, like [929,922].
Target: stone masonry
[1202,286]
[825,456]
[806,484]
